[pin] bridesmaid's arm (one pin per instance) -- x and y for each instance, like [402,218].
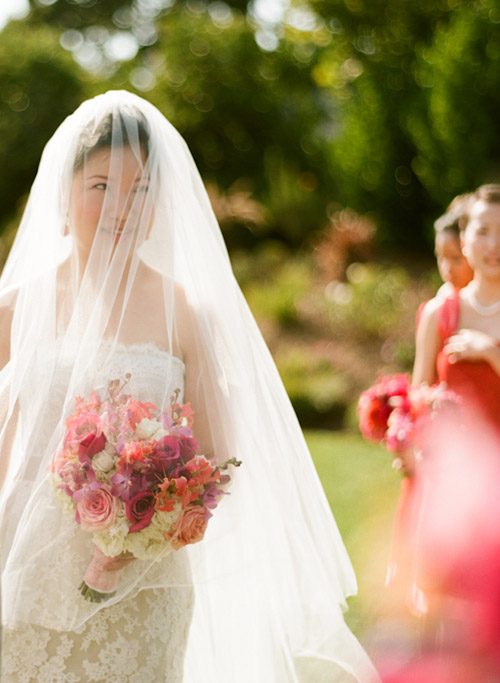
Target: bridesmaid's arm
[427,345]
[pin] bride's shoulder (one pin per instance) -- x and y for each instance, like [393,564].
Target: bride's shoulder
[7,304]
[172,289]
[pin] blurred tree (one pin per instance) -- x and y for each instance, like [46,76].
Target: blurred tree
[416,88]
[79,14]
[251,116]
[370,67]
[76,14]
[386,106]
[455,129]
[39,86]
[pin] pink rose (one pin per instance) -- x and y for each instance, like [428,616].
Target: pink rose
[97,510]
[190,527]
[140,509]
[80,427]
[92,444]
[168,447]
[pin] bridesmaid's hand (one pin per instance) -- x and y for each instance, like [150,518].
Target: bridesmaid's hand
[405,461]
[472,345]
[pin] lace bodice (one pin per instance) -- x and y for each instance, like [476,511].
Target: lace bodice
[155,373]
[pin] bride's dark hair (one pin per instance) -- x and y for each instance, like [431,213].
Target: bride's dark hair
[124,128]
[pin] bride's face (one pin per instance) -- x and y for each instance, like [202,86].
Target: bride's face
[107,194]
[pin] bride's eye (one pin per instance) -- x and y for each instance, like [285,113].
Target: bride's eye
[101,186]
[141,188]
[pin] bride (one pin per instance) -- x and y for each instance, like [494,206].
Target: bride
[119,269]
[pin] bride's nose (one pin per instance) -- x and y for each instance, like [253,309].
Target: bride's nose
[120,205]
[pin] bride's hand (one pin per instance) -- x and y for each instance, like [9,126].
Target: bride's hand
[106,564]
[471,345]
[102,576]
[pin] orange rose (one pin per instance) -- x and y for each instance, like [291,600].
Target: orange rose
[190,528]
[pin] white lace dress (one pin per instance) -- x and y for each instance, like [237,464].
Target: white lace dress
[139,639]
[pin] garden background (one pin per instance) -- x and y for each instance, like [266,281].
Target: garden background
[330,134]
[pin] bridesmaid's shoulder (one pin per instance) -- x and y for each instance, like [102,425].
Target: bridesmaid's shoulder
[431,308]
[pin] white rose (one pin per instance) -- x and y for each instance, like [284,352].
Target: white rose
[103,461]
[146,429]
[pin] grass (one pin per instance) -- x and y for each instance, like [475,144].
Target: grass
[362,489]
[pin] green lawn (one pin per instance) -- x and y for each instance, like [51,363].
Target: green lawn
[362,489]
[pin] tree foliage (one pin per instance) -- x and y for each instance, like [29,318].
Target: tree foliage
[249,116]
[385,106]
[39,86]
[416,86]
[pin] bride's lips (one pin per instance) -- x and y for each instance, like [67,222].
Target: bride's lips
[118,230]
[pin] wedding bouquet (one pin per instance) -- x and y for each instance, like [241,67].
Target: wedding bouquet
[400,415]
[135,479]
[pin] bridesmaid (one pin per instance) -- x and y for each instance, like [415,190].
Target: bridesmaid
[456,273]
[453,267]
[458,336]
[458,342]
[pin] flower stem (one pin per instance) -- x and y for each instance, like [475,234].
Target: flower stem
[93,595]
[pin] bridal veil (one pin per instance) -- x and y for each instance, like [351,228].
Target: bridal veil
[134,256]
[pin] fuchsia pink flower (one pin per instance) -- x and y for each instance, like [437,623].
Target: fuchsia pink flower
[139,510]
[376,404]
[399,414]
[80,427]
[91,444]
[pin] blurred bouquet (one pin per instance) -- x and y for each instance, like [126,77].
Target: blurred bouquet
[400,415]
[134,477]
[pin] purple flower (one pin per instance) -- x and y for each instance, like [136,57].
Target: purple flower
[78,478]
[128,483]
[168,423]
[210,497]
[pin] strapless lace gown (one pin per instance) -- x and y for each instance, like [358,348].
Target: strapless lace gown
[138,640]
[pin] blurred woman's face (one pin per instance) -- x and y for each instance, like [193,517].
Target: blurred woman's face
[452,264]
[107,194]
[481,238]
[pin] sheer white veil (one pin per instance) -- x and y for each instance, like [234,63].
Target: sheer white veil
[134,258]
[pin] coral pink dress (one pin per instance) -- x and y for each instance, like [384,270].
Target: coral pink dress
[474,381]
[478,385]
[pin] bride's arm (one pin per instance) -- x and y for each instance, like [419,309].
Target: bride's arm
[8,424]
[203,383]
[5,327]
